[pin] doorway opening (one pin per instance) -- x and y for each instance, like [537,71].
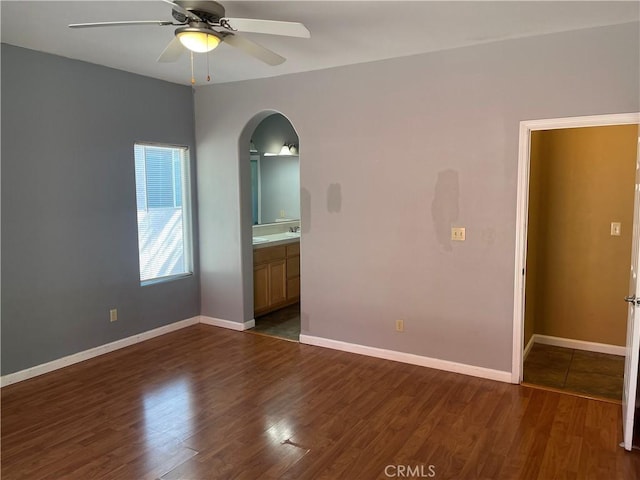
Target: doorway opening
[630,391]
[276,234]
[581,198]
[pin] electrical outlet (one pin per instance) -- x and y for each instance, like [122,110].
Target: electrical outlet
[113,314]
[457,234]
[399,325]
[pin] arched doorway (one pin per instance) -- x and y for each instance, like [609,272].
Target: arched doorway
[271,214]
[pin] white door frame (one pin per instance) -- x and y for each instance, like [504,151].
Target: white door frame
[526,127]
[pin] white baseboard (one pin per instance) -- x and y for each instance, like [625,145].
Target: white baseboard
[579,345]
[219,322]
[527,349]
[93,352]
[118,344]
[410,358]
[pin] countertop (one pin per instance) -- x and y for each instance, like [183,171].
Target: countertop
[274,239]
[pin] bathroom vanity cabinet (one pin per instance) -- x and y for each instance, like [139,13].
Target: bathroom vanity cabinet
[276,277]
[293,272]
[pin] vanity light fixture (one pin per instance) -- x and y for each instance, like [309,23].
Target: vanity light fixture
[287,150]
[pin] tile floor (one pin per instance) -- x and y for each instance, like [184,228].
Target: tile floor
[283,323]
[578,371]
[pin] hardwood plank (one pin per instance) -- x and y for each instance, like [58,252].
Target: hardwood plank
[207,403]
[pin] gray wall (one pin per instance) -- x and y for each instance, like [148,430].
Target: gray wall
[69,231]
[272,133]
[395,153]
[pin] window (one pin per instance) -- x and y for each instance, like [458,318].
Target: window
[164,214]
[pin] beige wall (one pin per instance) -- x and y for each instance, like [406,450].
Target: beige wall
[533,235]
[581,180]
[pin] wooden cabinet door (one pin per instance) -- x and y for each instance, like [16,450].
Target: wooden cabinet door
[293,288]
[260,287]
[293,267]
[277,282]
[276,277]
[293,276]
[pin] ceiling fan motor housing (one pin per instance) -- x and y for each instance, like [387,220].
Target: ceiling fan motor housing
[208,11]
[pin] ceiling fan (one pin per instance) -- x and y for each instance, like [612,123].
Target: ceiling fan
[203,26]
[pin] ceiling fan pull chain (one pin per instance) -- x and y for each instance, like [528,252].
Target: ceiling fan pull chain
[193,79]
[208,74]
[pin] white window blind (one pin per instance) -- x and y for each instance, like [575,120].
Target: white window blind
[163,201]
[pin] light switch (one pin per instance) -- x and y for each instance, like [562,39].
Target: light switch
[616,229]
[457,234]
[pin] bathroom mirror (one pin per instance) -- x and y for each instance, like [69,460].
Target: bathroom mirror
[275,171]
[275,188]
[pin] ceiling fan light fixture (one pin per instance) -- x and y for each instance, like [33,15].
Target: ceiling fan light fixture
[198,39]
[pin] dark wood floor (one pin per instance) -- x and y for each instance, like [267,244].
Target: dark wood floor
[207,403]
[577,371]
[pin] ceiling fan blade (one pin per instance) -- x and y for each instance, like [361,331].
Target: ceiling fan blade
[271,27]
[255,50]
[183,11]
[172,52]
[120,24]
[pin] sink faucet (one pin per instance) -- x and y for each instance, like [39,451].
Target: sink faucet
[294,229]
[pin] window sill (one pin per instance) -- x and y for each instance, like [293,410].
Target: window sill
[155,281]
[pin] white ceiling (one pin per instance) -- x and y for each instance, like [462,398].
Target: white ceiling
[341,32]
